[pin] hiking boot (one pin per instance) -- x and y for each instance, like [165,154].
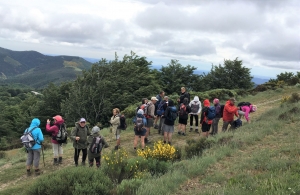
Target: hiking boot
[196,130]
[55,162]
[191,129]
[156,126]
[60,160]
[183,134]
[37,172]
[169,143]
[179,133]
[117,147]
[83,163]
[76,164]
[28,173]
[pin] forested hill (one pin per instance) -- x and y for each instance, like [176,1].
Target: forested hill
[37,70]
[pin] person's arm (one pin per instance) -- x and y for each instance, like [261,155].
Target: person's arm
[40,136]
[73,134]
[115,121]
[231,109]
[152,109]
[202,115]
[200,108]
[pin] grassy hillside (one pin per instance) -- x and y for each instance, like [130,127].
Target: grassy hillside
[259,158]
[37,70]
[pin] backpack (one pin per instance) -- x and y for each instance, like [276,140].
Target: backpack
[172,115]
[62,134]
[123,124]
[237,123]
[211,113]
[182,110]
[195,108]
[138,125]
[160,108]
[244,104]
[27,139]
[222,110]
[96,145]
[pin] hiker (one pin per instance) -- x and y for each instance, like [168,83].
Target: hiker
[162,108]
[170,117]
[205,121]
[184,94]
[195,105]
[216,120]
[79,137]
[56,147]
[228,114]
[139,129]
[34,153]
[159,98]
[115,122]
[184,111]
[94,153]
[246,110]
[149,113]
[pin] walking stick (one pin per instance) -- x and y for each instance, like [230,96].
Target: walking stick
[43,155]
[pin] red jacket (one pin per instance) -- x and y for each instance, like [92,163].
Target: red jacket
[54,129]
[229,111]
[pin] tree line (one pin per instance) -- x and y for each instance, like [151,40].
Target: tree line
[108,84]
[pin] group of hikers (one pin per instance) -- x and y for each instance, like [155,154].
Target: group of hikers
[160,112]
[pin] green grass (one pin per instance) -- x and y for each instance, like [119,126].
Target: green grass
[259,158]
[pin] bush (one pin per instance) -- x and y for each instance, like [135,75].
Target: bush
[295,97]
[71,181]
[2,154]
[196,147]
[284,99]
[160,151]
[129,187]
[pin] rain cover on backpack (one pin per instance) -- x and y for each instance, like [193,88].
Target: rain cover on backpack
[27,139]
[138,125]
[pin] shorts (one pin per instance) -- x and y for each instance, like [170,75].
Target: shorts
[182,121]
[168,128]
[142,132]
[150,122]
[205,127]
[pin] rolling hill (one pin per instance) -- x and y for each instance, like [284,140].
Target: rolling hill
[37,70]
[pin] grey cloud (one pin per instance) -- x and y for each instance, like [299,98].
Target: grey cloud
[196,47]
[156,38]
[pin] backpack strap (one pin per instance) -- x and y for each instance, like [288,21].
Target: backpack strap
[36,141]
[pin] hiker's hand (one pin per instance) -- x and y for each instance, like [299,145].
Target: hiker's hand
[77,138]
[48,120]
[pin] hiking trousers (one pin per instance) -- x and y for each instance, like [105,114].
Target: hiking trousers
[192,116]
[76,156]
[214,126]
[225,125]
[33,157]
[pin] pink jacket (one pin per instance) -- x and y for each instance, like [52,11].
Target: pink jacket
[247,110]
[54,129]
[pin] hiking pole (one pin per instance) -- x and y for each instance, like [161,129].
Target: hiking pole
[43,155]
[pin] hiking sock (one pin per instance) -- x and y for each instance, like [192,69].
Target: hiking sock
[60,160]
[55,162]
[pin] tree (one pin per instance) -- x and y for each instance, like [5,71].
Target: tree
[232,75]
[174,76]
[108,85]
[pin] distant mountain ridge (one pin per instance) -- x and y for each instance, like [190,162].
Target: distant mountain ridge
[37,70]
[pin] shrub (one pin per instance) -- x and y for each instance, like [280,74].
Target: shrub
[2,154]
[129,187]
[160,151]
[71,181]
[284,99]
[196,147]
[295,97]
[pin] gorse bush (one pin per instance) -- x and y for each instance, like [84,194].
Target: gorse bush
[196,147]
[284,99]
[295,97]
[160,151]
[70,181]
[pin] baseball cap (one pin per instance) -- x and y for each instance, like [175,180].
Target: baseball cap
[82,120]
[154,98]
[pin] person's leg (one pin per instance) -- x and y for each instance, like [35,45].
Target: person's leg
[162,125]
[98,161]
[179,128]
[91,162]
[76,156]
[225,126]
[214,127]
[217,125]
[231,125]
[159,125]
[136,138]
[165,137]
[170,133]
[36,161]
[183,126]
[84,154]
[143,142]
[60,153]
[29,161]
[196,123]
[191,122]
[155,122]
[55,153]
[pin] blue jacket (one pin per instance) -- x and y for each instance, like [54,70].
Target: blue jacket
[36,133]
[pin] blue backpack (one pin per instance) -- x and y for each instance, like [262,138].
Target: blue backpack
[211,113]
[160,108]
[172,115]
[237,123]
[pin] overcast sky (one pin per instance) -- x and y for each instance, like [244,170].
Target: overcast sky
[265,34]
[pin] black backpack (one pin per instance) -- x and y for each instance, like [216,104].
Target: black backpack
[62,135]
[237,123]
[221,110]
[138,125]
[244,104]
[96,146]
[182,110]
[123,124]
[172,115]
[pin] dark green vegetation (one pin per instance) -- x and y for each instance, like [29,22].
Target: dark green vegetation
[38,70]
[120,83]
